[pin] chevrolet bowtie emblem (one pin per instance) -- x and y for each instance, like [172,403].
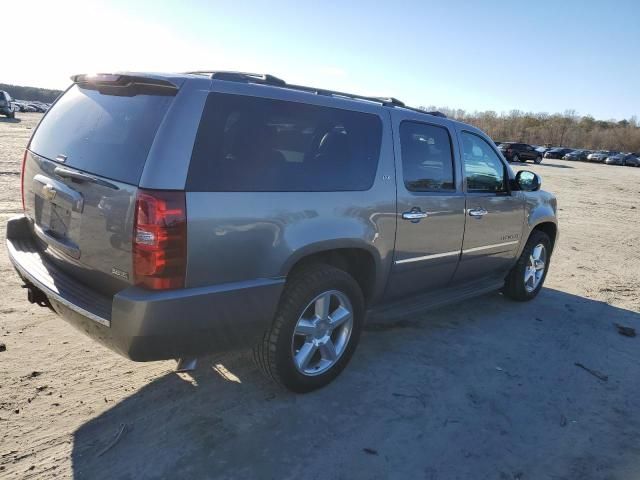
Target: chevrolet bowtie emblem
[49,192]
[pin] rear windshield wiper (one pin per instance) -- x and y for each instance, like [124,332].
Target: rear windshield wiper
[83,177]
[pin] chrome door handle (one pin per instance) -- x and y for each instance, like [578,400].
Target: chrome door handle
[415,215]
[478,212]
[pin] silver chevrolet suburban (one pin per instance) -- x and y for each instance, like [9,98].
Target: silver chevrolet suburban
[171,216]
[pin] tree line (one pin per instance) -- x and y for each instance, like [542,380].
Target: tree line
[31,94]
[559,129]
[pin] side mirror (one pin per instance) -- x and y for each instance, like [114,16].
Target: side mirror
[528,181]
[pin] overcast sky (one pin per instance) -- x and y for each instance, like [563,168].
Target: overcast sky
[537,56]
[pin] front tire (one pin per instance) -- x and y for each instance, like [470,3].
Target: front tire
[538,159]
[315,331]
[515,158]
[526,278]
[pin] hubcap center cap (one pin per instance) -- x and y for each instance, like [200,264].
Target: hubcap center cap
[322,328]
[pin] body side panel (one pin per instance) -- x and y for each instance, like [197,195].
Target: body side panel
[540,207]
[427,251]
[237,236]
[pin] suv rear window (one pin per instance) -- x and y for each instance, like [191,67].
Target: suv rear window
[107,135]
[258,144]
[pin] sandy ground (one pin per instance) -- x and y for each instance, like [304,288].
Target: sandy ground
[484,389]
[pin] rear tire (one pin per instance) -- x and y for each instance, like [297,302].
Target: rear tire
[526,278]
[538,159]
[515,158]
[301,351]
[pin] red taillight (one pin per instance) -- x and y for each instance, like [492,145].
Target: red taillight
[509,151]
[160,239]
[24,162]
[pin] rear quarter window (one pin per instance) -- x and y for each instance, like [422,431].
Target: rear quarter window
[107,135]
[257,144]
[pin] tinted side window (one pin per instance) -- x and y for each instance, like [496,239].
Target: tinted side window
[482,167]
[258,144]
[427,160]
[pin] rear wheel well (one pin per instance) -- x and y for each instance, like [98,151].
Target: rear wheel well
[550,229]
[357,262]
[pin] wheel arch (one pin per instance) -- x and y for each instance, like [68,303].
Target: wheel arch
[358,259]
[550,228]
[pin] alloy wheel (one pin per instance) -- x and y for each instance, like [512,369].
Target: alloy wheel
[534,271]
[322,333]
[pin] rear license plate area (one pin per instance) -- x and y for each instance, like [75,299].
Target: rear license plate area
[51,217]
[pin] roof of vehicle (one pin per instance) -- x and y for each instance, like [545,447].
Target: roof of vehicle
[262,79]
[176,80]
[266,79]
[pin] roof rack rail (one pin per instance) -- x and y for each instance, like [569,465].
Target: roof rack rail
[435,113]
[261,78]
[266,79]
[391,102]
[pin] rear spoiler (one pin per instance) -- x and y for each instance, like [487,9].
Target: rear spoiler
[124,85]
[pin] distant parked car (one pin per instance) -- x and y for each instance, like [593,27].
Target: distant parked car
[7,106]
[619,159]
[577,155]
[600,156]
[557,152]
[38,107]
[634,160]
[517,152]
[542,150]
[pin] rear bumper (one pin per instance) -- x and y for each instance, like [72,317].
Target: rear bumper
[145,325]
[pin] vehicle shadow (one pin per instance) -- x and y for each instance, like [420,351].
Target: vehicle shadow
[10,120]
[488,388]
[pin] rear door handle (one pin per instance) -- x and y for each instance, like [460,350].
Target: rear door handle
[478,212]
[58,193]
[83,177]
[415,215]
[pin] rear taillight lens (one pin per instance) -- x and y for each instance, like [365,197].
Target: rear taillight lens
[24,162]
[160,239]
[509,151]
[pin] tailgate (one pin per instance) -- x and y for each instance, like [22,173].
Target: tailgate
[80,179]
[83,223]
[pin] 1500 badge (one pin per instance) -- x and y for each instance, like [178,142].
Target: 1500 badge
[512,236]
[119,273]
